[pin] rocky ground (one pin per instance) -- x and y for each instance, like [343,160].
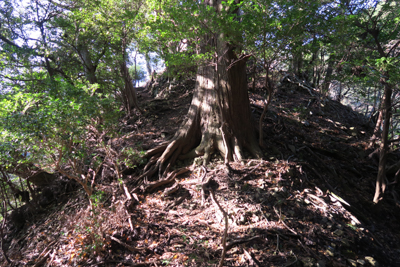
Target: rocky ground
[308,202]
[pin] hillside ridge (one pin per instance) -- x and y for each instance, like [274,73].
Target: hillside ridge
[308,202]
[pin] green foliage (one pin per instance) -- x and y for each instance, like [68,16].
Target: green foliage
[133,158]
[90,236]
[50,125]
[176,29]
[137,72]
[97,197]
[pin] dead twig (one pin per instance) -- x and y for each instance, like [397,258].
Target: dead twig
[127,193]
[43,256]
[308,250]
[280,219]
[256,167]
[221,262]
[252,260]
[300,83]
[142,264]
[291,263]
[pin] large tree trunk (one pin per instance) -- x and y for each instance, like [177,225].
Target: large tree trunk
[219,118]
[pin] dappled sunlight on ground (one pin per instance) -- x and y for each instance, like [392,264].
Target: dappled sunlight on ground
[307,202]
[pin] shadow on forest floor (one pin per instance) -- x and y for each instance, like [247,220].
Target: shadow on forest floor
[308,202]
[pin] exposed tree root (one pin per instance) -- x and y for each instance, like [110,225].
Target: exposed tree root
[179,200]
[152,186]
[216,140]
[219,117]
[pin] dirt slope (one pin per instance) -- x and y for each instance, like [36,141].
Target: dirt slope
[308,202]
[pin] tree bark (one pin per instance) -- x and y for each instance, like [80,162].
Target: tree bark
[297,63]
[148,66]
[384,146]
[377,128]
[219,118]
[88,66]
[129,92]
[328,77]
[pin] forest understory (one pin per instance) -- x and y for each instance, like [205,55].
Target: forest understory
[307,202]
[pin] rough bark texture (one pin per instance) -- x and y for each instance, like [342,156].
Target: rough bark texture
[219,118]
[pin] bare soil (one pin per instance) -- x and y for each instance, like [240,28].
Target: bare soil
[308,202]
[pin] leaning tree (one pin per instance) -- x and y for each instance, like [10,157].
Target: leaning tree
[219,118]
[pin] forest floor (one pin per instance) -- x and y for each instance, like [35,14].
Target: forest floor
[308,202]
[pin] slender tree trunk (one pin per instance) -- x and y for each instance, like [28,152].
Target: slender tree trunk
[377,125]
[297,63]
[254,75]
[328,78]
[368,101]
[136,75]
[384,146]
[268,85]
[129,92]
[148,66]
[340,92]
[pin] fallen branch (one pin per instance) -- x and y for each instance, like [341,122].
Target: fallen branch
[242,57]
